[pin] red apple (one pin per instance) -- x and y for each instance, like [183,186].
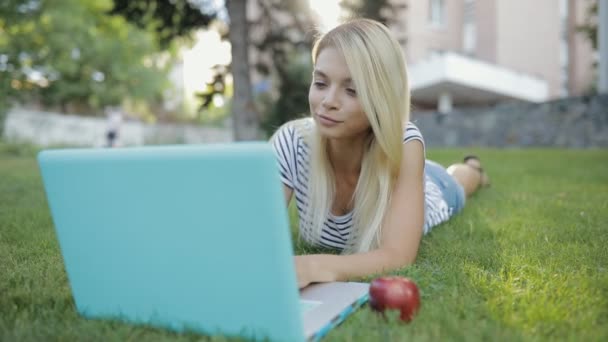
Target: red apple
[396,293]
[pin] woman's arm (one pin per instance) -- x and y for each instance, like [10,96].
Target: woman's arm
[288,192]
[401,233]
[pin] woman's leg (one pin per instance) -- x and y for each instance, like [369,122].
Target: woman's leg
[469,174]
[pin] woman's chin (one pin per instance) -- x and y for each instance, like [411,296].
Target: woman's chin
[333,132]
[340,131]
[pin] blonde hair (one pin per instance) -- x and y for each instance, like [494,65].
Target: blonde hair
[377,66]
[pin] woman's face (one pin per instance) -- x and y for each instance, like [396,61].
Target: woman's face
[333,98]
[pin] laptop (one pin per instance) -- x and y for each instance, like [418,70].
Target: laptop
[190,238]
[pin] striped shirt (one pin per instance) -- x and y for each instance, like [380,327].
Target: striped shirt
[293,155]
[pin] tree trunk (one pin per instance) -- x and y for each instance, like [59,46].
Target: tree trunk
[244,116]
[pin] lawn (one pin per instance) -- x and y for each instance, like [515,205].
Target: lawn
[526,260]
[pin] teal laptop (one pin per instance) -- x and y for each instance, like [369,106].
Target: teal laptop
[189,238]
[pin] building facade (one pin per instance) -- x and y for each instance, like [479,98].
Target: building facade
[478,52]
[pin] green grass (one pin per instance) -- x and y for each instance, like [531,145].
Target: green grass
[526,260]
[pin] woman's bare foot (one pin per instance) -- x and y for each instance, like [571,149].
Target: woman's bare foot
[474,162]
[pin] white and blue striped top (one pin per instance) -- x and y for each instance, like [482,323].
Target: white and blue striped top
[293,154]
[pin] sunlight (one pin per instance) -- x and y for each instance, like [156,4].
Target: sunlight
[198,61]
[209,50]
[328,11]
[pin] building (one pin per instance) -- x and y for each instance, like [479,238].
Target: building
[480,52]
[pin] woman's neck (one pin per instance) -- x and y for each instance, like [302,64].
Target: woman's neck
[346,155]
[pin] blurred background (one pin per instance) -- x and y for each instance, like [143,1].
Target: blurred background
[121,73]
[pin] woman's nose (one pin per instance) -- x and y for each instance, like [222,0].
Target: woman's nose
[330,100]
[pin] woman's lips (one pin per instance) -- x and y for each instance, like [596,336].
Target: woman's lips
[327,121]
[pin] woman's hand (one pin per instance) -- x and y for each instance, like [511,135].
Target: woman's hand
[315,268]
[304,269]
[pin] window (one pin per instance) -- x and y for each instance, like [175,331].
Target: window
[469,32]
[437,12]
[564,47]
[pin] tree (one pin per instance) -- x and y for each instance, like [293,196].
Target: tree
[380,10]
[173,23]
[244,116]
[292,101]
[285,31]
[590,30]
[590,26]
[280,36]
[169,19]
[72,55]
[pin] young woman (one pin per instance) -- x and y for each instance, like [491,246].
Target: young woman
[357,167]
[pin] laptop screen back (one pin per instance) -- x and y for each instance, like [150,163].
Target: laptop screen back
[185,237]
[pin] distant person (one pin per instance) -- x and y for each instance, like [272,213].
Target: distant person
[357,167]
[114,121]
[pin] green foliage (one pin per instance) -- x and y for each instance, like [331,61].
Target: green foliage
[169,19]
[4,105]
[525,261]
[381,10]
[589,28]
[215,116]
[292,102]
[283,32]
[284,58]
[71,53]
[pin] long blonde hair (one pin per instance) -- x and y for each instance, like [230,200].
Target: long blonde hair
[377,66]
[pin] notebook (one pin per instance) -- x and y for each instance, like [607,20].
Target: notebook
[187,237]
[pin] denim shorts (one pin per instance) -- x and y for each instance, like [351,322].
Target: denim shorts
[452,191]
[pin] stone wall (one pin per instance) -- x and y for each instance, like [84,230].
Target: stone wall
[579,122]
[51,129]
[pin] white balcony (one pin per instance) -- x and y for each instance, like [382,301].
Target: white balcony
[450,79]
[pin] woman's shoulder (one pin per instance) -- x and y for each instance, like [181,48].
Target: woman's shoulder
[411,132]
[302,125]
[295,131]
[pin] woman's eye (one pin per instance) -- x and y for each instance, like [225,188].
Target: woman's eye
[351,91]
[318,84]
